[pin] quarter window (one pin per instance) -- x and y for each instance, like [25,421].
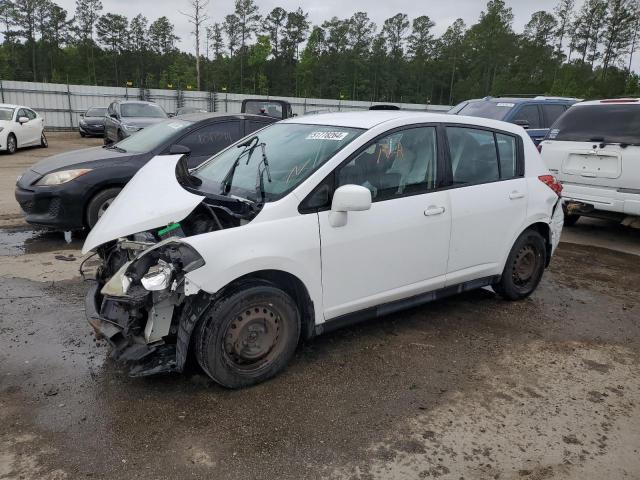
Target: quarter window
[474,158]
[528,113]
[402,163]
[508,155]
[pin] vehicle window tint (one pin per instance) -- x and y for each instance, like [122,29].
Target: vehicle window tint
[528,113]
[508,155]
[30,114]
[473,155]
[271,109]
[211,138]
[485,109]
[607,123]
[551,113]
[252,126]
[402,163]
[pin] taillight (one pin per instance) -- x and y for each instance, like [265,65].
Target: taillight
[551,182]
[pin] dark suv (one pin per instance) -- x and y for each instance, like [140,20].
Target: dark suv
[125,118]
[536,114]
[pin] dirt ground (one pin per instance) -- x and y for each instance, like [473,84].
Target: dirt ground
[471,387]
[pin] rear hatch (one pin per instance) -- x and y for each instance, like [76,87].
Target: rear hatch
[596,144]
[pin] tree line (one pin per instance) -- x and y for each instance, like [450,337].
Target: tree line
[585,52]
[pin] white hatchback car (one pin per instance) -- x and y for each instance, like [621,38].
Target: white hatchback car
[594,150]
[20,127]
[310,224]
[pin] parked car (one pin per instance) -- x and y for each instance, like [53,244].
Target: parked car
[535,114]
[20,127]
[125,118]
[310,224]
[70,191]
[186,110]
[594,149]
[279,109]
[92,122]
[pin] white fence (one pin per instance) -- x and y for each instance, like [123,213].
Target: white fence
[62,104]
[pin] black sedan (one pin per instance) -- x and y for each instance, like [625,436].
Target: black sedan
[92,122]
[70,191]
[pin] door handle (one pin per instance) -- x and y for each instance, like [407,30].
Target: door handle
[515,195]
[433,210]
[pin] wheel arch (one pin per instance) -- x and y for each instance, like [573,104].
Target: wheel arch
[545,230]
[91,194]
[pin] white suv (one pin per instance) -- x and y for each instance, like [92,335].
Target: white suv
[310,224]
[594,150]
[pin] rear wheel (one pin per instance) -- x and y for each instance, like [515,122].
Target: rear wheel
[524,267]
[570,219]
[43,141]
[12,144]
[99,204]
[248,336]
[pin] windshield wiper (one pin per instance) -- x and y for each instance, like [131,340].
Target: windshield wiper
[263,166]
[249,147]
[115,147]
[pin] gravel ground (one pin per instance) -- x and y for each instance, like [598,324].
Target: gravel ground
[471,387]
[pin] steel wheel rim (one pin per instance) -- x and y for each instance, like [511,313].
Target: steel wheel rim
[253,337]
[525,265]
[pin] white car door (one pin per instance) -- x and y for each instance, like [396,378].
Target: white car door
[399,247]
[34,127]
[21,129]
[488,201]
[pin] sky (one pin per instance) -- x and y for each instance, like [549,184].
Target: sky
[442,12]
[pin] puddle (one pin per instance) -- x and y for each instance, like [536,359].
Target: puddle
[19,242]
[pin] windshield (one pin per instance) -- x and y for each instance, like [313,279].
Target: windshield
[96,112]
[293,151]
[271,109]
[604,123]
[142,110]
[494,110]
[6,113]
[152,137]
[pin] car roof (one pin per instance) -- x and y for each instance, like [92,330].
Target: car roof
[199,116]
[370,118]
[611,101]
[537,99]
[10,105]
[135,101]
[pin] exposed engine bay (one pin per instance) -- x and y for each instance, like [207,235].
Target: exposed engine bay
[141,301]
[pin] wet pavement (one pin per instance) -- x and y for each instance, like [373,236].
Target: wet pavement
[470,387]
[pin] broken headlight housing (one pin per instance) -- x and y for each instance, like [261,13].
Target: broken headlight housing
[158,277]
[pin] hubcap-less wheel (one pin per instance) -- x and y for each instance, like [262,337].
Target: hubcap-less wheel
[525,266]
[251,339]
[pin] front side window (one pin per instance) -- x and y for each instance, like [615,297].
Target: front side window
[31,115]
[211,138]
[529,114]
[21,113]
[473,154]
[293,152]
[142,110]
[402,163]
[152,137]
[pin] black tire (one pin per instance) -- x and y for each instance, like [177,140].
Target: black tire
[120,136]
[524,268]
[44,143]
[82,134]
[12,144]
[248,336]
[570,220]
[98,204]
[107,141]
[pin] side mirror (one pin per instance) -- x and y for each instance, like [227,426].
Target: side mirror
[348,198]
[523,123]
[177,149]
[22,120]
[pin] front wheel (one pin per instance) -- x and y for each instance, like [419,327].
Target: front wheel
[12,144]
[248,336]
[99,204]
[524,268]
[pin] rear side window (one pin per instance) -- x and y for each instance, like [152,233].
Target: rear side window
[529,114]
[551,113]
[474,158]
[211,138]
[599,123]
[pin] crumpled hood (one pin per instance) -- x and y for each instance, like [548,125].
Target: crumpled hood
[153,198]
